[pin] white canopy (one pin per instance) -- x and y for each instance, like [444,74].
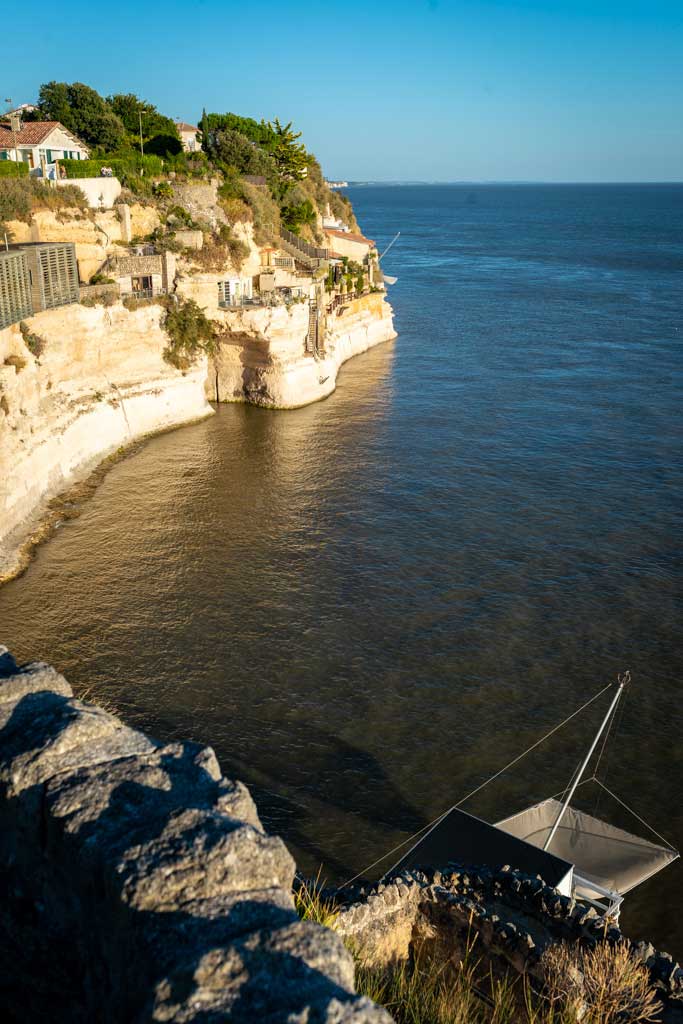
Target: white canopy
[601,853]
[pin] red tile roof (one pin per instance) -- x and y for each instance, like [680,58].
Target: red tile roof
[182,126]
[350,235]
[32,133]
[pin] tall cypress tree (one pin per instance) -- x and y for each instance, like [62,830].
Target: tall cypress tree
[205,131]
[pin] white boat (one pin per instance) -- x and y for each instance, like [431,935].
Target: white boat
[580,855]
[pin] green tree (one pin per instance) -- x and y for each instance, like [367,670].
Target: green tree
[130,109]
[296,215]
[290,155]
[232,149]
[205,131]
[164,145]
[82,111]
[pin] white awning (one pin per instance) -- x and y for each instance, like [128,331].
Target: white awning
[601,853]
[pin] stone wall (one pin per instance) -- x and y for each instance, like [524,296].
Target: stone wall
[101,193]
[511,916]
[138,883]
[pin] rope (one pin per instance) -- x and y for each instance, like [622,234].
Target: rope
[477,789]
[563,791]
[618,717]
[637,816]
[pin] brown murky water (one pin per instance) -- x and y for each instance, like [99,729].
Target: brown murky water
[369,605]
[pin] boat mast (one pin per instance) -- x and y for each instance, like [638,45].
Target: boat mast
[397,235]
[623,680]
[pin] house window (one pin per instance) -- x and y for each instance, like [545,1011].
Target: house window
[142,286]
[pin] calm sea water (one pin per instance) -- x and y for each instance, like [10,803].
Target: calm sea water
[370,605]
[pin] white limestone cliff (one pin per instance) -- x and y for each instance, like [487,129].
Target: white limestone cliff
[99,384]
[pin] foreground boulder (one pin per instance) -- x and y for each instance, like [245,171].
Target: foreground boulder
[139,885]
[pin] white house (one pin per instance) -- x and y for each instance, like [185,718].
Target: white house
[188,136]
[39,143]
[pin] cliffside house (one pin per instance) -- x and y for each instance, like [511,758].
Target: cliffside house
[39,144]
[348,243]
[235,291]
[36,276]
[188,136]
[142,274]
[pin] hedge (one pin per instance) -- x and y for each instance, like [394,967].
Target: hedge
[122,168]
[12,169]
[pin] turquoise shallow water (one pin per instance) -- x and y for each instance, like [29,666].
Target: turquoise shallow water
[369,605]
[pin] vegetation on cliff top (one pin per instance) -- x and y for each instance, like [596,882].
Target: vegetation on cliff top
[290,188]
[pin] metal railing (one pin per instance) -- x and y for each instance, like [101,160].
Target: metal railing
[145,293]
[241,301]
[345,299]
[312,251]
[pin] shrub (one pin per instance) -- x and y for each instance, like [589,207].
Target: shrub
[603,985]
[34,343]
[104,299]
[237,211]
[126,166]
[164,145]
[190,333]
[19,197]
[296,215]
[18,362]
[266,213]
[180,214]
[13,169]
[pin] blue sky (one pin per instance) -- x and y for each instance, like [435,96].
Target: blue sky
[537,90]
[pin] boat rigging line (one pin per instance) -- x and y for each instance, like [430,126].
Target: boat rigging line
[380,258]
[478,789]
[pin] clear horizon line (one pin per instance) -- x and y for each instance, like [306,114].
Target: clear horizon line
[501,181]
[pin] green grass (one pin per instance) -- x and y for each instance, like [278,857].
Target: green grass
[605,985]
[311,905]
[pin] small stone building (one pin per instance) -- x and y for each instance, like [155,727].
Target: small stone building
[143,275]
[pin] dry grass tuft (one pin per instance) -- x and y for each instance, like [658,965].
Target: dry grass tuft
[603,985]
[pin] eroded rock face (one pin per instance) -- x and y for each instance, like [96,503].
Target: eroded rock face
[138,883]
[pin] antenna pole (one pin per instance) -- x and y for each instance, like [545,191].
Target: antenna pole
[623,680]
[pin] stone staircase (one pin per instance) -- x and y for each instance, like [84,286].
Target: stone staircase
[310,256]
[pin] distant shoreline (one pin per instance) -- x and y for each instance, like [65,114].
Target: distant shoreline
[522,184]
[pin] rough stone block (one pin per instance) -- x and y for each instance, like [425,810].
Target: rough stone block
[35,677]
[199,854]
[44,734]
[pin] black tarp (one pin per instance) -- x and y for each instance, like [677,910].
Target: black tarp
[460,838]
